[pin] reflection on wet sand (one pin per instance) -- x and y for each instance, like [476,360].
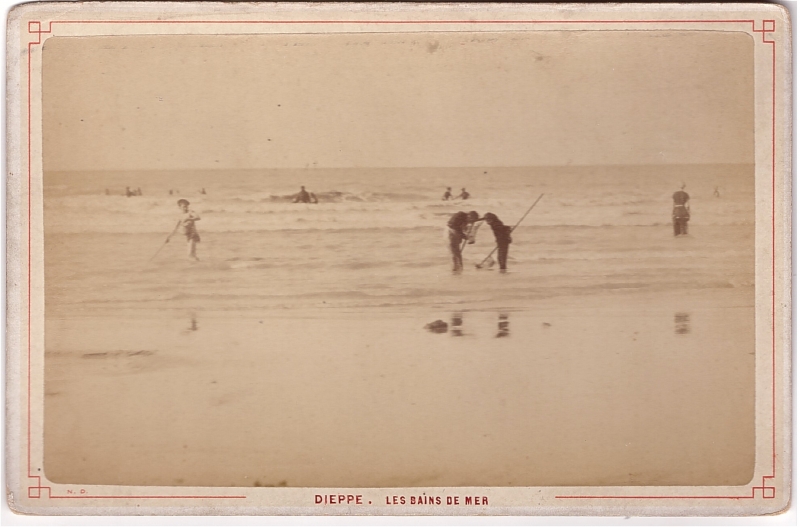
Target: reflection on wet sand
[180,400]
[502,325]
[455,325]
[682,324]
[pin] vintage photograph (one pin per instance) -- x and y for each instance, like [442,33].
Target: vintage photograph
[389,258]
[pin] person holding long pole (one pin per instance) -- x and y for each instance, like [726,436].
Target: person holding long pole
[505,236]
[186,223]
[502,237]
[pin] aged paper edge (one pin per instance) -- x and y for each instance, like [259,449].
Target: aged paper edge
[27,492]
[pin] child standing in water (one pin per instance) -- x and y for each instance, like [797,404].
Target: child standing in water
[186,223]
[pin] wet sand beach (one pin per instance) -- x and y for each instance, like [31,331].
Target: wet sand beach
[624,389]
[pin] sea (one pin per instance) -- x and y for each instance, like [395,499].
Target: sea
[375,239]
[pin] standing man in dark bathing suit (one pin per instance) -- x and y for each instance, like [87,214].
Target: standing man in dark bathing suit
[680,211]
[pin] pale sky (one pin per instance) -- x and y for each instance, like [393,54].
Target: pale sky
[397,100]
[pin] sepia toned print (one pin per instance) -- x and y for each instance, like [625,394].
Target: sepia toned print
[363,266]
[308,336]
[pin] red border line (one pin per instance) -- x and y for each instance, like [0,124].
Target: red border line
[772,43]
[177,497]
[764,30]
[398,22]
[657,497]
[36,493]
[764,494]
[30,44]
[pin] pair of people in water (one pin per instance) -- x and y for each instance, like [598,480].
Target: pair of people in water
[448,194]
[462,227]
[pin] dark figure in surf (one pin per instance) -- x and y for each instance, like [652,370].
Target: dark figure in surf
[464,194]
[460,229]
[128,192]
[502,236]
[302,197]
[202,191]
[680,212]
[448,195]
[138,191]
[716,192]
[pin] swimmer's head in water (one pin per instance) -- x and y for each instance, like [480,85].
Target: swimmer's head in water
[473,216]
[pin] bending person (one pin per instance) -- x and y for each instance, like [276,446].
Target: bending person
[502,236]
[459,228]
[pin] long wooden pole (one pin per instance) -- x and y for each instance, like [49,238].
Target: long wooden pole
[512,230]
[164,244]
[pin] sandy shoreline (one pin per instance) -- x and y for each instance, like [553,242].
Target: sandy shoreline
[615,389]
